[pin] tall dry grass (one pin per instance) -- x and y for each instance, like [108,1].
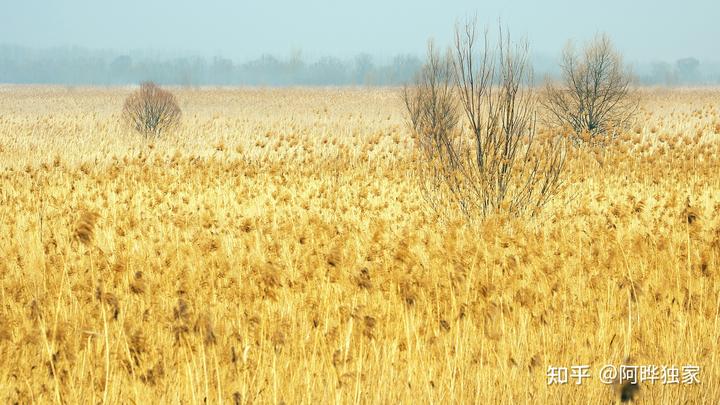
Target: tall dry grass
[275,249]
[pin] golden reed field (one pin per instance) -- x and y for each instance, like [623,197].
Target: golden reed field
[276,248]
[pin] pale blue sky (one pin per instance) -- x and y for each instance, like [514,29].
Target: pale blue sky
[643,29]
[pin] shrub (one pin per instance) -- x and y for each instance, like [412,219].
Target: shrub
[593,99]
[151,110]
[492,160]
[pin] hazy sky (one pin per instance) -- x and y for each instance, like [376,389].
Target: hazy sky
[643,29]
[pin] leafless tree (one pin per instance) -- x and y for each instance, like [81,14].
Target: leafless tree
[151,110]
[594,98]
[433,111]
[432,106]
[493,161]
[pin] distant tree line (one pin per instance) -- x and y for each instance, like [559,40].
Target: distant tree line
[80,66]
[77,66]
[684,72]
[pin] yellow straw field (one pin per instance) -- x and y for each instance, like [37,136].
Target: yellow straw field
[276,248]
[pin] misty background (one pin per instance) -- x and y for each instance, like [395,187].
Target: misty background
[324,42]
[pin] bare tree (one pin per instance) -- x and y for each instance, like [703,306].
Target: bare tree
[433,108]
[151,110]
[594,98]
[493,161]
[433,111]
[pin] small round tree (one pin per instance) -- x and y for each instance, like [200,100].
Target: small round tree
[151,110]
[594,97]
